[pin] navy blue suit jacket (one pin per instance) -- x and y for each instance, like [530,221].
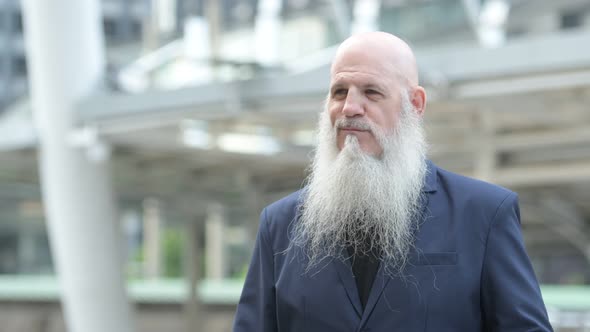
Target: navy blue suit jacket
[468,272]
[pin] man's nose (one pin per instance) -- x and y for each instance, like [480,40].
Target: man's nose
[353,106]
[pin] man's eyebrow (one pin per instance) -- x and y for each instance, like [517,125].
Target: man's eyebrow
[373,86]
[370,85]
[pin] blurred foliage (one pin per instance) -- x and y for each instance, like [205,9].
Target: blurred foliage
[173,247]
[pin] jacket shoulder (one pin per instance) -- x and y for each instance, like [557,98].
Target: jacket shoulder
[471,188]
[284,206]
[278,216]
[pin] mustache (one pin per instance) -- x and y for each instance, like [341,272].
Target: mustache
[357,124]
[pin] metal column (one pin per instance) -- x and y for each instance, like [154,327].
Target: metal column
[65,53]
[267,29]
[365,16]
[215,244]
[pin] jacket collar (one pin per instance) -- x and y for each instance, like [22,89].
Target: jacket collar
[430,181]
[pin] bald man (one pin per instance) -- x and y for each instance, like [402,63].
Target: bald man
[380,238]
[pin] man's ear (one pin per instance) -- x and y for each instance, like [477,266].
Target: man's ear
[418,100]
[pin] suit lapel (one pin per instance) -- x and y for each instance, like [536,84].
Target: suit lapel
[344,270]
[346,277]
[381,279]
[379,284]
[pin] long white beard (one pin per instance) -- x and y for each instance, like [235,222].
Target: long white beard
[353,199]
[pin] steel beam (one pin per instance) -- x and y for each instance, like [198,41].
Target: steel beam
[528,65]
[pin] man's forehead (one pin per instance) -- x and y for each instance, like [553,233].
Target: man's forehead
[358,60]
[356,77]
[381,53]
[367,77]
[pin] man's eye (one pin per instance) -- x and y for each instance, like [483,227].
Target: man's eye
[372,92]
[339,92]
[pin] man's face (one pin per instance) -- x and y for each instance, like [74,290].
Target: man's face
[363,90]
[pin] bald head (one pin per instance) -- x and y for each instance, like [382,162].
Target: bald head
[380,48]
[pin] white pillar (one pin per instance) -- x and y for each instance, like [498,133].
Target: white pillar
[214,243]
[267,30]
[491,28]
[65,54]
[213,14]
[166,16]
[151,238]
[196,39]
[197,47]
[365,16]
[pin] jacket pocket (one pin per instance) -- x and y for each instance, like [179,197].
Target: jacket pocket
[434,258]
